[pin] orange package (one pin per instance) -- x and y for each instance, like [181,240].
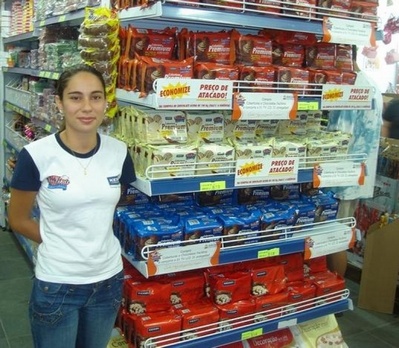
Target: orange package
[257,78]
[213,71]
[294,78]
[321,56]
[344,58]
[253,50]
[214,47]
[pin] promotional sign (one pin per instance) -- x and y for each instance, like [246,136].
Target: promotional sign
[266,171]
[342,97]
[341,174]
[194,94]
[347,31]
[263,106]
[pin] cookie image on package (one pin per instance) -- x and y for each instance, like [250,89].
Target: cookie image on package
[332,340]
[222,297]
[136,307]
[175,298]
[259,289]
[154,123]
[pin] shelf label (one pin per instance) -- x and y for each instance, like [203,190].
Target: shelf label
[255,106]
[345,173]
[268,253]
[311,105]
[212,186]
[251,334]
[184,258]
[266,171]
[194,94]
[346,97]
[348,31]
[328,243]
[61,18]
[47,128]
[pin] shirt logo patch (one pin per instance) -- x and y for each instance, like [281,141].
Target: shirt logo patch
[113,180]
[58,182]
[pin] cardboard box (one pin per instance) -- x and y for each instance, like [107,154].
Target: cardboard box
[380,268]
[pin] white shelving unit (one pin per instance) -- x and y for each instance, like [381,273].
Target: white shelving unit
[184,13]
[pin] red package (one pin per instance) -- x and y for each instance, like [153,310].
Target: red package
[151,326]
[364,9]
[268,280]
[328,283]
[268,306]
[230,287]
[303,8]
[231,311]
[187,287]
[337,7]
[293,266]
[315,265]
[195,316]
[262,77]
[301,291]
[146,297]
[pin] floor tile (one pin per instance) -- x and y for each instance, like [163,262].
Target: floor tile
[365,340]
[15,321]
[14,291]
[15,268]
[21,342]
[388,333]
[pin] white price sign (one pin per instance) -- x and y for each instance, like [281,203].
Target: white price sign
[263,106]
[348,31]
[183,258]
[340,174]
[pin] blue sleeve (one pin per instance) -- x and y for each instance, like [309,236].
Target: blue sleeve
[128,173]
[26,176]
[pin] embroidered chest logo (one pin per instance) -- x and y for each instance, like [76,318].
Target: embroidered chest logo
[113,180]
[58,182]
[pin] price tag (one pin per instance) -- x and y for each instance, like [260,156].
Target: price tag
[42,23]
[184,258]
[347,31]
[256,106]
[61,18]
[345,173]
[47,128]
[251,334]
[314,105]
[268,253]
[212,186]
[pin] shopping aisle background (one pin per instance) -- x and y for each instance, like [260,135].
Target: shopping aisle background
[361,329]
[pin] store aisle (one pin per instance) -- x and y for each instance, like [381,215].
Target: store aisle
[361,329]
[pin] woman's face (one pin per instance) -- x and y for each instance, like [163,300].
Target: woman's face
[83,102]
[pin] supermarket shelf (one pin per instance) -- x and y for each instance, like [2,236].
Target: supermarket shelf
[53,75]
[260,244]
[9,105]
[156,181]
[71,19]
[287,316]
[29,36]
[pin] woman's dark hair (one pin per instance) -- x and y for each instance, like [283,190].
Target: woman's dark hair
[64,78]
[391,115]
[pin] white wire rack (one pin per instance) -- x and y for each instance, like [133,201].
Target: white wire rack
[262,238]
[262,317]
[216,168]
[16,140]
[17,96]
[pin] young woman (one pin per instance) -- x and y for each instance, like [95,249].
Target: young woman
[75,176]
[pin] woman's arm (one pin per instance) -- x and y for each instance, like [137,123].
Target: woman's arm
[20,214]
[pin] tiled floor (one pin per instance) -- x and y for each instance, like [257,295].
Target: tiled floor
[361,329]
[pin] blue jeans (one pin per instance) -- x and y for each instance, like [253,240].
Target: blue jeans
[74,316]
